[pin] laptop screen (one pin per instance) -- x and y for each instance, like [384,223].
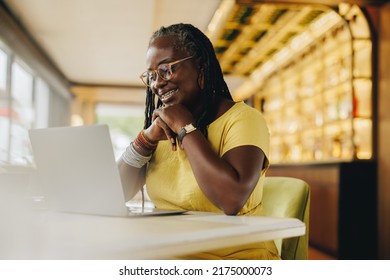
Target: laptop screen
[77,169]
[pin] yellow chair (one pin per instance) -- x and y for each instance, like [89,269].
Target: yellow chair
[290,198]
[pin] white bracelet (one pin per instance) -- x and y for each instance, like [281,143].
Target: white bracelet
[133,158]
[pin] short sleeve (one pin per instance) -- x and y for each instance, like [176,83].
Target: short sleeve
[241,125]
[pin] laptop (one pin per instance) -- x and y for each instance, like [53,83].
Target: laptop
[77,169]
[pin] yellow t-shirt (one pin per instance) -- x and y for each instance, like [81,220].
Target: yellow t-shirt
[170,182]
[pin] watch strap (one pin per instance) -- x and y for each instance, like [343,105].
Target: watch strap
[184,131]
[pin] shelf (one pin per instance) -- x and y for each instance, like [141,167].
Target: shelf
[319,107]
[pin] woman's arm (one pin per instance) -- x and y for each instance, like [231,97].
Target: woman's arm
[132,164]
[132,178]
[228,181]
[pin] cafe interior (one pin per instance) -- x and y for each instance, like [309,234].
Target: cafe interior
[319,72]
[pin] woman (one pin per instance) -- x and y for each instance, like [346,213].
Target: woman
[199,149]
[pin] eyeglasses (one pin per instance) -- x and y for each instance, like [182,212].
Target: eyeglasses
[164,71]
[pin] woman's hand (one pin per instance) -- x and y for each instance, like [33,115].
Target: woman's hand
[167,122]
[159,130]
[171,119]
[174,116]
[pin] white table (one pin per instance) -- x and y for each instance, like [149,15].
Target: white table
[51,235]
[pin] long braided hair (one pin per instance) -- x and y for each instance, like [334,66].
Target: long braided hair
[195,43]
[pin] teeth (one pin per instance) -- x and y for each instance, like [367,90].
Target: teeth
[167,94]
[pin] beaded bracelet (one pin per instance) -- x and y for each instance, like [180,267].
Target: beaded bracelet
[144,139]
[143,145]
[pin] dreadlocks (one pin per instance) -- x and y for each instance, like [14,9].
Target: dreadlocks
[195,43]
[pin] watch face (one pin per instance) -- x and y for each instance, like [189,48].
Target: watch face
[189,127]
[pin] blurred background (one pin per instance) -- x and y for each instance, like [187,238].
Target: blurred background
[318,70]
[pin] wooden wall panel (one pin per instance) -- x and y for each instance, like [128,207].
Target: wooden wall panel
[323,181]
[384,133]
[343,209]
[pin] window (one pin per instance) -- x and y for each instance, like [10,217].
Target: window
[24,104]
[3,70]
[4,108]
[41,99]
[22,115]
[125,123]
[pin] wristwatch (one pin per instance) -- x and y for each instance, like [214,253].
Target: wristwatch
[184,131]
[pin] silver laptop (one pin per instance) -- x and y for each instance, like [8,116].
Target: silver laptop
[77,170]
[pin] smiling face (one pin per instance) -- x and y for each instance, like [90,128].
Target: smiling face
[183,87]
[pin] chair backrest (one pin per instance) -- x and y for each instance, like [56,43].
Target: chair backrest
[288,197]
